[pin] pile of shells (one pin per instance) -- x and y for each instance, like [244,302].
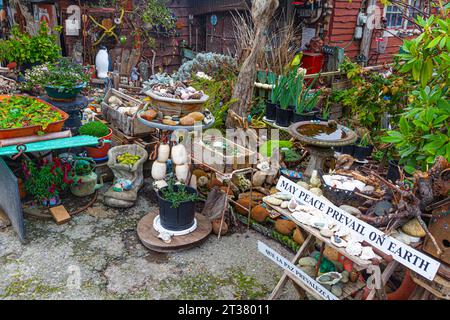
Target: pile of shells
[7,86]
[177,90]
[339,236]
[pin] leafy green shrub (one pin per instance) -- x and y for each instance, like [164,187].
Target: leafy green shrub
[95,129]
[23,48]
[423,130]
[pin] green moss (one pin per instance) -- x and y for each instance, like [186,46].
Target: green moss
[206,285]
[32,287]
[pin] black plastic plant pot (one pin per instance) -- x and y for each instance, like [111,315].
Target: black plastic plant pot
[393,173]
[284,117]
[177,219]
[362,153]
[349,149]
[271,111]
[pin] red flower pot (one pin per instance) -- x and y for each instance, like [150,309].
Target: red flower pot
[100,152]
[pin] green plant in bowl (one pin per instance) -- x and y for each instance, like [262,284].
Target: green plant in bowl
[94,129]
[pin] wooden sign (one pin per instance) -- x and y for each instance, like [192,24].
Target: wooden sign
[404,254]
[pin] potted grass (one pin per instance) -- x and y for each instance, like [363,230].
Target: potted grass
[306,104]
[284,110]
[101,131]
[62,80]
[177,206]
[271,103]
[363,148]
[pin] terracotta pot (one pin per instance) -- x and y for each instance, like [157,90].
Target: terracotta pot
[102,152]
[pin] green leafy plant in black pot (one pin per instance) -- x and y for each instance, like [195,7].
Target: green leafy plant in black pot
[284,110]
[271,104]
[363,148]
[177,206]
[307,101]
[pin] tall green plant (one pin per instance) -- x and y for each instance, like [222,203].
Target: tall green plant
[423,130]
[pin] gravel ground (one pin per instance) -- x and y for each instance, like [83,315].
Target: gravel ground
[97,255]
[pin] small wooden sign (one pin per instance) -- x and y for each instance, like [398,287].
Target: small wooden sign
[60,214]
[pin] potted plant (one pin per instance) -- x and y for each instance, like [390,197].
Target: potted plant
[177,206]
[46,182]
[306,102]
[363,148]
[284,110]
[63,80]
[271,104]
[26,50]
[101,131]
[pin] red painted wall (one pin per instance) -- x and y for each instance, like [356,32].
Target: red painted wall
[342,29]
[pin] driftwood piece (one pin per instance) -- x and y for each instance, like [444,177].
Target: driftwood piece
[262,12]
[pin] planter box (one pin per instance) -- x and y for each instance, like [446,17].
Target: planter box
[129,125]
[205,153]
[33,130]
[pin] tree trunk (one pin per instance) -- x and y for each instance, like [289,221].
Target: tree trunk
[262,12]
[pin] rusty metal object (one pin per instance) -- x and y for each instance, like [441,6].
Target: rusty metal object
[439,227]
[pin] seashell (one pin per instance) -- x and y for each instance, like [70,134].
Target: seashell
[353,237]
[292,206]
[284,204]
[318,222]
[345,276]
[326,232]
[316,191]
[329,278]
[367,253]
[283,196]
[354,248]
[273,201]
[338,241]
[302,217]
[343,231]
[165,237]
[303,184]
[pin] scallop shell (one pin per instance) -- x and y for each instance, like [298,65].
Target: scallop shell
[354,248]
[327,233]
[319,222]
[284,204]
[343,231]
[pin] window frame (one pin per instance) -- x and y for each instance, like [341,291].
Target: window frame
[406,27]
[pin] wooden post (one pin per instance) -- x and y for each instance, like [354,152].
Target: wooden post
[262,12]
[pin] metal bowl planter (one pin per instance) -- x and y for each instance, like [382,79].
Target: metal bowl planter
[176,107]
[63,94]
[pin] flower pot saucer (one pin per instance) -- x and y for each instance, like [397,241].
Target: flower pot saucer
[159,228]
